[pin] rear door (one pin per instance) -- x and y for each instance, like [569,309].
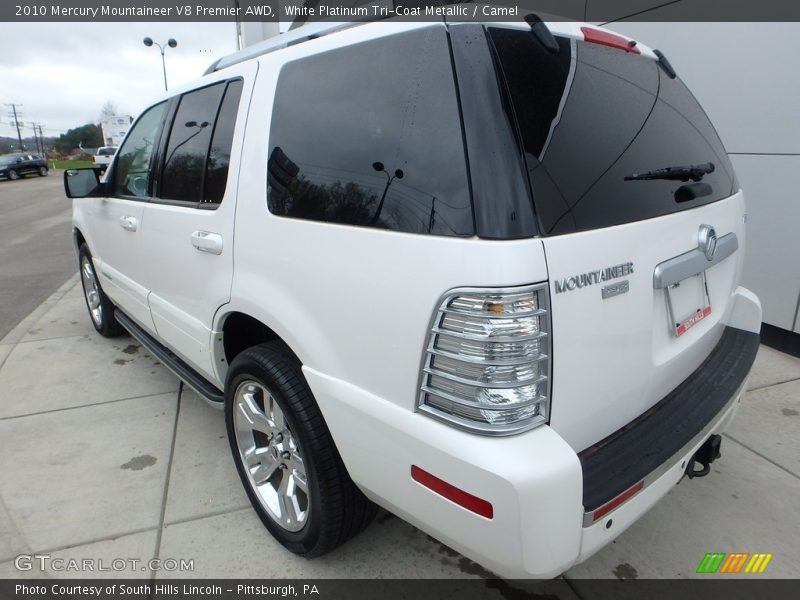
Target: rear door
[634,310]
[188,238]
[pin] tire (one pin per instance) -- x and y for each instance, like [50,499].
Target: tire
[13,175]
[43,171]
[101,309]
[304,495]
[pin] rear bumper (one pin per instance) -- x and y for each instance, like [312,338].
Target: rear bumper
[642,450]
[536,483]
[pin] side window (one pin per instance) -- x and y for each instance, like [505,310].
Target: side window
[370,135]
[199,148]
[133,169]
[219,155]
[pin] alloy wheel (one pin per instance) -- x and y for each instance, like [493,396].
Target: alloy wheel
[271,455]
[92,291]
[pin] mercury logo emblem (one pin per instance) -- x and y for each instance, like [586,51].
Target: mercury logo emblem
[707,241]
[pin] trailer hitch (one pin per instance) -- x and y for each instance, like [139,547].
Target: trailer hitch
[705,455]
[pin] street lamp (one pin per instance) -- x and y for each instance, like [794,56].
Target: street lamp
[171,43]
[398,174]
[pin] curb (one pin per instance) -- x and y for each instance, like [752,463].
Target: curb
[16,334]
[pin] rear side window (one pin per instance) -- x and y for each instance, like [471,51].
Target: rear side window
[198,149]
[219,155]
[590,116]
[370,135]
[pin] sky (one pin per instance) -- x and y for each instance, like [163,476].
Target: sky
[63,73]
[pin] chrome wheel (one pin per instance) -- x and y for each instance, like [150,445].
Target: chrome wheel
[271,455]
[92,291]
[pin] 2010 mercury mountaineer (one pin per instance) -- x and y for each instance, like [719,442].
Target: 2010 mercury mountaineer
[482,275]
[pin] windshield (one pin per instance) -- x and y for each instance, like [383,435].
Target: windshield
[590,119]
[7,160]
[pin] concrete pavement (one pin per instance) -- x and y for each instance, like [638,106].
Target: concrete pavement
[103,455]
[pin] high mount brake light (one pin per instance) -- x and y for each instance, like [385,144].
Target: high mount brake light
[604,38]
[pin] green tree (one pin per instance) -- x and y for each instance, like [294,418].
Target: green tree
[86,136]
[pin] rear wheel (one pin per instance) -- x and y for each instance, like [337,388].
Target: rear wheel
[101,309]
[43,171]
[286,457]
[12,174]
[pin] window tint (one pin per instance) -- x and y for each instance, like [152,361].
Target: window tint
[187,148]
[219,155]
[370,135]
[590,116]
[132,172]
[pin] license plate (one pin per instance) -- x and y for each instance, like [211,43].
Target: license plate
[686,325]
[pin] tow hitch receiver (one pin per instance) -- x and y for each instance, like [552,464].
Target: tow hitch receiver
[707,454]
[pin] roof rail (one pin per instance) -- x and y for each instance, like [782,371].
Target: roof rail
[302,34]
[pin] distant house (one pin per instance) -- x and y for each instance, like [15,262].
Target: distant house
[114,129]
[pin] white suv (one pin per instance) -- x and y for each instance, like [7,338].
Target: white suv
[482,275]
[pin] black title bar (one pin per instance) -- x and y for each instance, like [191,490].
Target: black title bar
[601,11]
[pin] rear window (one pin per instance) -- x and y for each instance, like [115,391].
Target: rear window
[108,151]
[590,116]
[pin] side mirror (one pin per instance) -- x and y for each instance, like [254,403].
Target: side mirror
[83,183]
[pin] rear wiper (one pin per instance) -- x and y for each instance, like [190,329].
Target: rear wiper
[690,172]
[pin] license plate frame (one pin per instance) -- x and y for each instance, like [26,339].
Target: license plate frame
[679,328]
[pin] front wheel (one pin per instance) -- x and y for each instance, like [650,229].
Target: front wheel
[13,175]
[285,455]
[101,309]
[43,171]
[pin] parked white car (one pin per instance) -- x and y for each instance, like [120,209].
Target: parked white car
[103,157]
[483,276]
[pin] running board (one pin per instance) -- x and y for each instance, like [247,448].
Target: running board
[169,359]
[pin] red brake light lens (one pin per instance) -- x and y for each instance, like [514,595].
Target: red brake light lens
[604,38]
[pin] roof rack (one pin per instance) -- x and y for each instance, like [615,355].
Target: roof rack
[302,34]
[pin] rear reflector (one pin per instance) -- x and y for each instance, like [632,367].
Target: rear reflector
[621,499]
[604,38]
[452,493]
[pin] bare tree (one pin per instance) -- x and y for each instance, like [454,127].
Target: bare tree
[109,110]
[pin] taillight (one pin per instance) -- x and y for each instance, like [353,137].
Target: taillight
[94,158]
[487,361]
[604,38]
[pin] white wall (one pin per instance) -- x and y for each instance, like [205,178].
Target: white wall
[747,77]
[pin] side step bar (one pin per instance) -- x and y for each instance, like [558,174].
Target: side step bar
[179,368]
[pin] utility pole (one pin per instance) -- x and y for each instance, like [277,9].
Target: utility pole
[41,137]
[16,121]
[36,139]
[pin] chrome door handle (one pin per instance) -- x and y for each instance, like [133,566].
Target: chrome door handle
[206,241]
[128,223]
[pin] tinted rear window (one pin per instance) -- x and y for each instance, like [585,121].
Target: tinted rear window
[589,116]
[369,135]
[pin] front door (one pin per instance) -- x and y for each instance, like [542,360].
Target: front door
[116,222]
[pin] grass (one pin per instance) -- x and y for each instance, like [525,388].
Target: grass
[69,164]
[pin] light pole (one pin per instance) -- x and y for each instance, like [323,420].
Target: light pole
[398,174]
[171,43]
